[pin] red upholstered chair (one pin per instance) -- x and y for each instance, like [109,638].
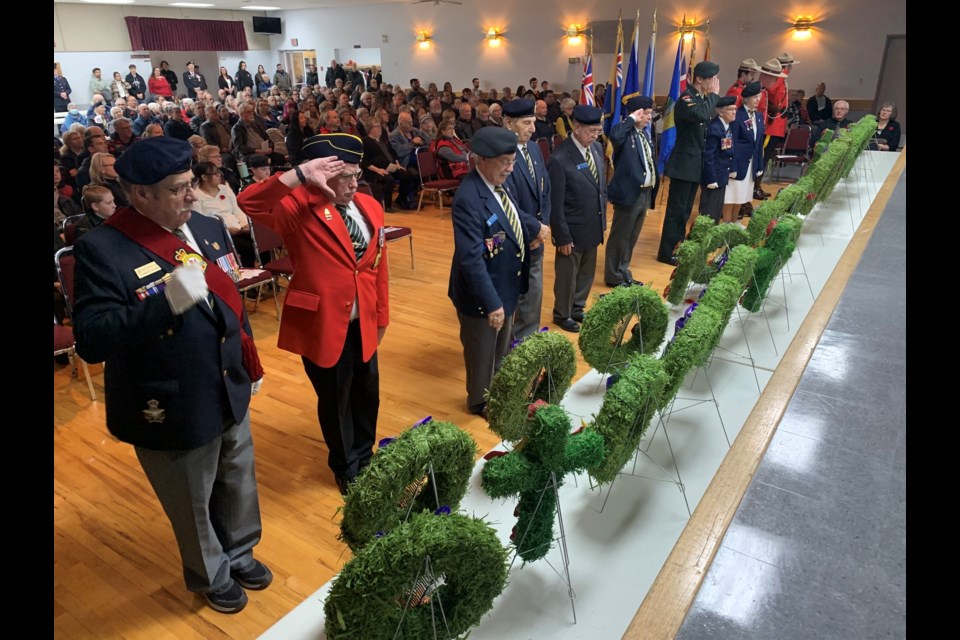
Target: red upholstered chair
[796,149]
[254,279]
[430,179]
[64,344]
[392,234]
[70,229]
[269,241]
[544,148]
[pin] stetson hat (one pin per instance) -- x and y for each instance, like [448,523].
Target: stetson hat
[749,64]
[785,59]
[772,67]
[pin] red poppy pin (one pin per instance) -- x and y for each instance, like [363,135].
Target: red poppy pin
[223,197]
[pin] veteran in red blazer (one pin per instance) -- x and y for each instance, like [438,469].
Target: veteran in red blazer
[337,308]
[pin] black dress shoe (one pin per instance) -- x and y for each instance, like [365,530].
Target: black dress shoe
[760,194]
[479,410]
[389,209]
[343,483]
[568,324]
[577,316]
[671,261]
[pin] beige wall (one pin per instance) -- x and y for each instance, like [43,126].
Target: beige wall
[91,27]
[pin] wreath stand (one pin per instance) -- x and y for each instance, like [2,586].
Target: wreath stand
[425,589]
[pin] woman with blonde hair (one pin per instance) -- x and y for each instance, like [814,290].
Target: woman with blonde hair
[888,129]
[103,173]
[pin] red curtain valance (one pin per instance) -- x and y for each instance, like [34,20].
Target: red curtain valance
[178,34]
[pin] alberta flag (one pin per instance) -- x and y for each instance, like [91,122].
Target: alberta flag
[669,136]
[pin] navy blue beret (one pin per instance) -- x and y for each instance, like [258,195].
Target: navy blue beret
[706,69]
[150,160]
[726,101]
[341,146]
[639,102]
[585,114]
[490,142]
[750,90]
[519,108]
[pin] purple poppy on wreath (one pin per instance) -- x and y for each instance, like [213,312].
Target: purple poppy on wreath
[442,511]
[543,330]
[702,293]
[422,422]
[689,311]
[723,260]
[379,534]
[385,441]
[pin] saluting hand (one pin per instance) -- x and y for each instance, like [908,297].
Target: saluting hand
[317,172]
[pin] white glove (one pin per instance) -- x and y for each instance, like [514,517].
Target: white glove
[255,386]
[759,173]
[186,288]
[733,174]
[713,185]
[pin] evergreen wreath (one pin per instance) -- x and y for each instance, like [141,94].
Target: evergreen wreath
[541,367]
[771,257]
[380,499]
[384,586]
[604,341]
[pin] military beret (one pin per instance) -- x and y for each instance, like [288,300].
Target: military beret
[750,89]
[257,161]
[706,69]
[639,102]
[341,146]
[519,108]
[726,101]
[585,114]
[150,160]
[490,142]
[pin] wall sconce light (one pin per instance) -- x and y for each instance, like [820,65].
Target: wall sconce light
[803,28]
[493,36]
[687,28]
[423,40]
[574,34]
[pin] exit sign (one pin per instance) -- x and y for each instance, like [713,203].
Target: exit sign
[573,60]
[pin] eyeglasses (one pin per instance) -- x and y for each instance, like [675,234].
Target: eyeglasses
[181,189]
[350,176]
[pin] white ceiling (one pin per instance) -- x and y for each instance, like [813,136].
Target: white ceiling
[230,5]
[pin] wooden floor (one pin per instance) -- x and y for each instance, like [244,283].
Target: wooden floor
[116,565]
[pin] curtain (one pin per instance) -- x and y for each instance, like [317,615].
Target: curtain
[176,34]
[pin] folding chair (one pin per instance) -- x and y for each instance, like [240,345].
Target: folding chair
[796,149]
[544,145]
[269,241]
[255,278]
[70,228]
[64,344]
[430,179]
[392,234]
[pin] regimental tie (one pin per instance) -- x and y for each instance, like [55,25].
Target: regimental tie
[648,157]
[526,156]
[356,235]
[512,216]
[592,165]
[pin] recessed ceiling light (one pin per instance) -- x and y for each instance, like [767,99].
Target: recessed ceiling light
[260,8]
[197,5]
[108,1]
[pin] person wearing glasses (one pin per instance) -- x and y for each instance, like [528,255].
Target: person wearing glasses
[578,214]
[337,308]
[216,199]
[156,302]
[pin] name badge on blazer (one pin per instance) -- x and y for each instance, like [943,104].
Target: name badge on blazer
[582,166]
[491,220]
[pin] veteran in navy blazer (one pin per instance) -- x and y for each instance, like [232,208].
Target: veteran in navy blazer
[634,178]
[493,239]
[530,183]
[748,133]
[156,301]
[718,161]
[578,214]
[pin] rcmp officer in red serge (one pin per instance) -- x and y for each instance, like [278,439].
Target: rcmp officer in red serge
[691,114]
[530,183]
[336,310]
[493,239]
[634,176]
[157,302]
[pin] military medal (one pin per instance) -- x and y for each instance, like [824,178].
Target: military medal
[188,257]
[228,264]
[154,287]
[216,246]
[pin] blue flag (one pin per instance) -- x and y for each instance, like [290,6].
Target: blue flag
[669,136]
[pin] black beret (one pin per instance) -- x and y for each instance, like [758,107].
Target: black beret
[751,89]
[341,146]
[585,114]
[706,69]
[519,108]
[639,102]
[726,101]
[150,160]
[256,161]
[491,142]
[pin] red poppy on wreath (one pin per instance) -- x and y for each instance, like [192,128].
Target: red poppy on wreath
[673,274]
[770,226]
[534,407]
[666,291]
[811,195]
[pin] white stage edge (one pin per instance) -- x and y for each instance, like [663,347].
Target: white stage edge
[617,549]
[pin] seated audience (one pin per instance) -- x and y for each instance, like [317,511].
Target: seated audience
[103,173]
[452,155]
[217,200]
[98,205]
[380,169]
[888,129]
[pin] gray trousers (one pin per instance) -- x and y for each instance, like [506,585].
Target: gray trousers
[526,319]
[483,349]
[624,231]
[572,282]
[210,496]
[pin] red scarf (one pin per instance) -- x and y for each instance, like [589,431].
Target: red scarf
[151,236]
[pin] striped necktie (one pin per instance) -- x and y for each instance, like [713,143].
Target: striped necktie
[356,236]
[647,156]
[592,165]
[512,217]
[526,156]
